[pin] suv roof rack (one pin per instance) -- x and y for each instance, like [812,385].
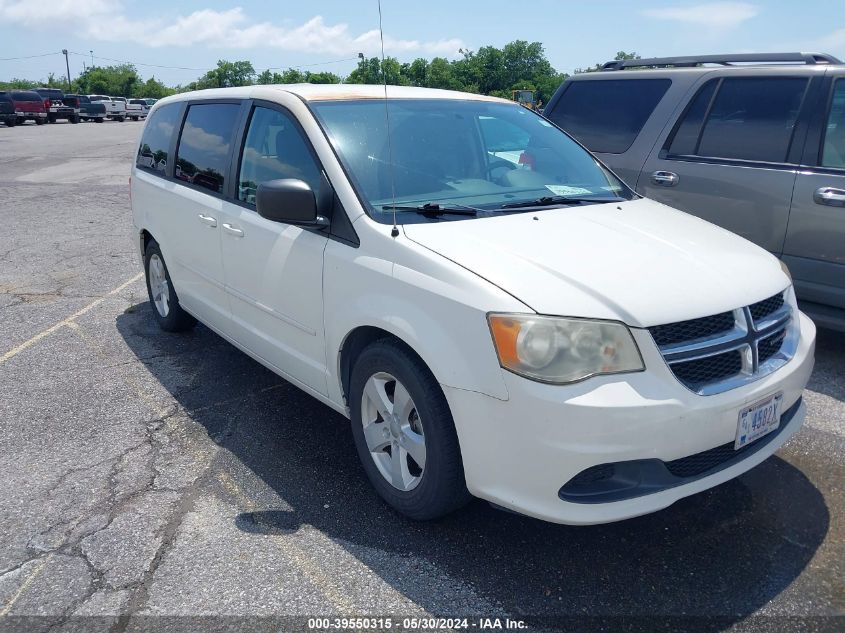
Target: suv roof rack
[723,60]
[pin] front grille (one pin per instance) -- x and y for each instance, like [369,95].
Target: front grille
[719,352]
[770,346]
[703,371]
[705,327]
[762,309]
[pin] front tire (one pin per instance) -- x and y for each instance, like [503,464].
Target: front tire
[404,433]
[166,309]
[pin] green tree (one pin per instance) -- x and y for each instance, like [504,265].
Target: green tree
[120,80]
[152,88]
[226,75]
[620,56]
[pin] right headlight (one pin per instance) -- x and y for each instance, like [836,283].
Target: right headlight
[559,350]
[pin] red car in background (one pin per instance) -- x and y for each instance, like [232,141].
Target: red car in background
[28,106]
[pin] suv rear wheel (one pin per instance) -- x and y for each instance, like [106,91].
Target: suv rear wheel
[169,314]
[404,433]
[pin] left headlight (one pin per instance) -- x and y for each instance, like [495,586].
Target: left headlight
[559,350]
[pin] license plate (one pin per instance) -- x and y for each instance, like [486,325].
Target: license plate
[757,420]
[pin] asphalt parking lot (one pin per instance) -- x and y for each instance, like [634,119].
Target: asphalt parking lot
[149,478]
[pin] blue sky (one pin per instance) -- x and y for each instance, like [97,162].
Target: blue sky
[195,33]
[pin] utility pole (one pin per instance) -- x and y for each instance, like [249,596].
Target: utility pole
[92,58]
[67,65]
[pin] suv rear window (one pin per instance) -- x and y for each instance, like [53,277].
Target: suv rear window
[203,154]
[155,143]
[26,96]
[607,115]
[750,118]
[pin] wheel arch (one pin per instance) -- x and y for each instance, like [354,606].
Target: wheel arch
[356,341]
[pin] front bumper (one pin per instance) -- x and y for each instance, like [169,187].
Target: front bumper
[520,452]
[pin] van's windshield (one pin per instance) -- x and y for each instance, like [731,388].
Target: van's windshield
[489,156]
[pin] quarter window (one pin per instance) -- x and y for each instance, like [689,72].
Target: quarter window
[833,151]
[685,141]
[751,118]
[275,148]
[155,143]
[203,154]
[607,115]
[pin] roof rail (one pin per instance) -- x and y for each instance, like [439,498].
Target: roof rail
[724,60]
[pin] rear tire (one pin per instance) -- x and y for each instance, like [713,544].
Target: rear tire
[74,119]
[10,123]
[40,121]
[163,299]
[422,422]
[121,119]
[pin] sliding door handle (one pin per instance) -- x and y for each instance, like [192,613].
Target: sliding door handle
[231,229]
[207,219]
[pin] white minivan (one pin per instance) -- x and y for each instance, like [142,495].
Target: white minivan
[495,311]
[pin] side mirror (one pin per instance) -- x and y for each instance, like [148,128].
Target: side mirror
[288,200]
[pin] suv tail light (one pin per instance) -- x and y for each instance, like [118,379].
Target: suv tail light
[47,103]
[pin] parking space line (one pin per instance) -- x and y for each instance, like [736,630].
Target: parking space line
[66,322]
[30,579]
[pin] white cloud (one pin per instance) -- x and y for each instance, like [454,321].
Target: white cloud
[232,28]
[714,15]
[834,41]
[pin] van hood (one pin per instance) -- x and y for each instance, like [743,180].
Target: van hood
[639,262]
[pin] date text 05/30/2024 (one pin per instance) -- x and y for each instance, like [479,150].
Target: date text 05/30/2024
[415,624]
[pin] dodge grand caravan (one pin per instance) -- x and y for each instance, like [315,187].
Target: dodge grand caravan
[496,313]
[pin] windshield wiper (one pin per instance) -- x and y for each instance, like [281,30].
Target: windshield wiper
[433,208]
[546,201]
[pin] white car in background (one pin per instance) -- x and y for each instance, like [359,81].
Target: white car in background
[495,311]
[137,109]
[115,108]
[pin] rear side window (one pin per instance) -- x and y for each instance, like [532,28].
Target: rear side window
[750,118]
[203,155]
[606,116]
[155,143]
[833,150]
[275,148]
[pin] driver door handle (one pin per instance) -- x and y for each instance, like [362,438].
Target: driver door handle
[829,196]
[231,229]
[665,178]
[207,219]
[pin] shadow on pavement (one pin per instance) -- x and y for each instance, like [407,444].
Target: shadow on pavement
[726,552]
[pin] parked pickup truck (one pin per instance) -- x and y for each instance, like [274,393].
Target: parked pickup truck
[28,106]
[133,110]
[56,107]
[7,110]
[88,110]
[115,110]
[137,105]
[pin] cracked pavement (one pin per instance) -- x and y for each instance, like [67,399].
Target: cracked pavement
[154,480]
